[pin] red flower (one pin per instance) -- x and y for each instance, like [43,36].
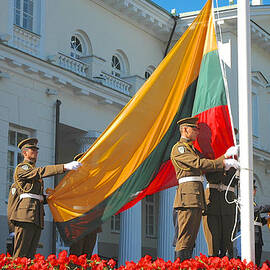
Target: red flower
[111,263]
[265,266]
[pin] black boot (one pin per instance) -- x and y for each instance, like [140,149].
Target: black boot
[183,254]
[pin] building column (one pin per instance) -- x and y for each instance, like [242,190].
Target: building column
[165,248]
[130,246]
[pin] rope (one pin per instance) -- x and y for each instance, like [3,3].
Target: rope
[223,69]
[237,207]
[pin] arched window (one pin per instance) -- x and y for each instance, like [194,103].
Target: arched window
[119,64]
[116,66]
[76,46]
[149,72]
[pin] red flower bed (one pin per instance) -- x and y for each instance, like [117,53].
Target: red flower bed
[146,263]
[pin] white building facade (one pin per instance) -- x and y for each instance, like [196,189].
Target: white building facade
[68,67]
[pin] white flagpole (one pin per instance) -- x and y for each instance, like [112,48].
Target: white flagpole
[245,132]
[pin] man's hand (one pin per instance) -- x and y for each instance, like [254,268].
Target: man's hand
[232,151]
[73,165]
[229,163]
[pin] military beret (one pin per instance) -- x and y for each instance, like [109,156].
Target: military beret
[28,143]
[78,156]
[189,121]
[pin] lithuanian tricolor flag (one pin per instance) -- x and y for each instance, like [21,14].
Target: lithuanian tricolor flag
[132,157]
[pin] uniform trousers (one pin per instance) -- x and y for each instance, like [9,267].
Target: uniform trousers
[84,245]
[258,253]
[26,239]
[188,220]
[217,231]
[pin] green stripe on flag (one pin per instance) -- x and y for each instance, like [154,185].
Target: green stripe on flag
[149,168]
[210,92]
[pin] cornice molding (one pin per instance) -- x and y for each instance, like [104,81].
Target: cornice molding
[261,156]
[226,18]
[54,76]
[143,14]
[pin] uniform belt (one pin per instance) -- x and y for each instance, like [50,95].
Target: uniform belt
[32,196]
[191,179]
[220,187]
[256,223]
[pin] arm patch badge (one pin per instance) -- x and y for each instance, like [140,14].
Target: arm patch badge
[181,149]
[13,190]
[25,167]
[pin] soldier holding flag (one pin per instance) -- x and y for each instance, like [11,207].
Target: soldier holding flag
[189,199]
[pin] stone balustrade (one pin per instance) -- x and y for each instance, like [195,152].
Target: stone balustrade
[115,83]
[25,40]
[72,64]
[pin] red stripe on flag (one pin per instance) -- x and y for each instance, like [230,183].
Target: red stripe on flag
[165,178]
[215,132]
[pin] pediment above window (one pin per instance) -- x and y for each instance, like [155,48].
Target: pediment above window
[258,79]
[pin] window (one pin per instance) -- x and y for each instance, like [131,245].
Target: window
[116,66]
[255,115]
[76,47]
[150,216]
[14,154]
[149,72]
[115,223]
[23,13]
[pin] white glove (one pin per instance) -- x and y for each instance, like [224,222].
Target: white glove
[232,151]
[73,165]
[231,163]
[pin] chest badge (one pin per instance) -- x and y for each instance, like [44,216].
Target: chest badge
[181,149]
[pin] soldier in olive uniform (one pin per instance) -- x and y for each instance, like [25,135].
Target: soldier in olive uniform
[26,198]
[189,199]
[219,219]
[87,243]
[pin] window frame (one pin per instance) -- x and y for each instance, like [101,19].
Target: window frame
[75,53]
[117,72]
[255,113]
[114,220]
[16,154]
[23,15]
[150,203]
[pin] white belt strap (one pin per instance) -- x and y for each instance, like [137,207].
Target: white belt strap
[31,195]
[191,179]
[258,223]
[220,187]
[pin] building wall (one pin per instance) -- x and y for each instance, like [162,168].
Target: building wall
[24,101]
[106,31]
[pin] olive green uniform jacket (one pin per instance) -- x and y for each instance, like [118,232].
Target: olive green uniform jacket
[187,161]
[28,179]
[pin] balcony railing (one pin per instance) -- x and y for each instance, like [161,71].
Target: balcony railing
[69,63]
[115,83]
[25,40]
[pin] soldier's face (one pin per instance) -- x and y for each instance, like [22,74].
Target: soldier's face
[31,154]
[193,133]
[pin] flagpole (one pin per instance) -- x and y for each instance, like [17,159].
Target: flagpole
[245,132]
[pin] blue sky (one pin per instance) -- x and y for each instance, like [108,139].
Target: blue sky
[190,5]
